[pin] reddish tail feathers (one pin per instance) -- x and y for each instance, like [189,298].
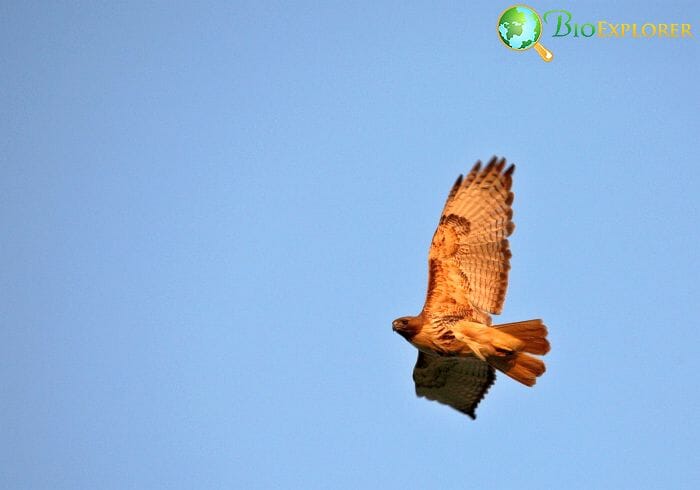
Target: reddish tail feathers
[519,365]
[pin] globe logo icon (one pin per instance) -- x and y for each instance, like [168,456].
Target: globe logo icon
[520,28]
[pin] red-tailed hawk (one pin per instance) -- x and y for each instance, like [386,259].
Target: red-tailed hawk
[468,266]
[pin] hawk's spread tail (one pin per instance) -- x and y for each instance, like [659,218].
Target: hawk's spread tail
[519,365]
[532,333]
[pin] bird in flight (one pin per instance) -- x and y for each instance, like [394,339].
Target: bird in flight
[468,263]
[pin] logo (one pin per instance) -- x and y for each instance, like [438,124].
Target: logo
[520,28]
[602,28]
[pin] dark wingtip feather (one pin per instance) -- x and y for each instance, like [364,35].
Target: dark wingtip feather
[455,187]
[509,171]
[501,163]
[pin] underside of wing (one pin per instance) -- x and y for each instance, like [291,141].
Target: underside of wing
[460,383]
[469,256]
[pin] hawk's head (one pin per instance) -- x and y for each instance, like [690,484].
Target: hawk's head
[406,326]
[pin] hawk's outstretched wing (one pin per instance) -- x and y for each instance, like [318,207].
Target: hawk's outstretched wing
[469,256]
[460,382]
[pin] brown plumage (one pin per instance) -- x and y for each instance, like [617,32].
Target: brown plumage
[468,266]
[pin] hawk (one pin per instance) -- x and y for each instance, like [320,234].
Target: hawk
[468,263]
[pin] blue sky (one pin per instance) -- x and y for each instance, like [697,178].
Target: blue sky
[213,212]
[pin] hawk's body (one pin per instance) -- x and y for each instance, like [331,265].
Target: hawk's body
[468,267]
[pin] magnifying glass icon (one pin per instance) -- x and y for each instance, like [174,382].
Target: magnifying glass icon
[519,28]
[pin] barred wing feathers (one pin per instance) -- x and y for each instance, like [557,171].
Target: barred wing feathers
[469,257]
[460,383]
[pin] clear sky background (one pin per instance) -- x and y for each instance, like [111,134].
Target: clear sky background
[212,213]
